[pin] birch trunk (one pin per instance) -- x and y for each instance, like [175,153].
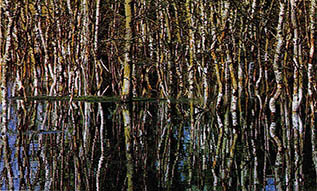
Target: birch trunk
[272,103]
[126,89]
[4,93]
[4,65]
[190,65]
[297,97]
[311,81]
[97,64]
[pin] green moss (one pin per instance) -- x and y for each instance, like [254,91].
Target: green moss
[101,99]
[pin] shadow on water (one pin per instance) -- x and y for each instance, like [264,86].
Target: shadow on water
[141,145]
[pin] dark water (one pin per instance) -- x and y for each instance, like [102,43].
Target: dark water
[144,145]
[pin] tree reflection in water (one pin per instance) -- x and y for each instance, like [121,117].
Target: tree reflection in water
[154,145]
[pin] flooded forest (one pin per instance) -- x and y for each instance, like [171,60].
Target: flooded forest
[158,95]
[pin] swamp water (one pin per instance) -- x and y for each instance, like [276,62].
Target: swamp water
[57,144]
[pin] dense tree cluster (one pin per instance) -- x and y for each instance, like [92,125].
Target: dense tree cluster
[251,62]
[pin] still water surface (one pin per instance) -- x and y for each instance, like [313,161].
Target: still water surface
[143,145]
